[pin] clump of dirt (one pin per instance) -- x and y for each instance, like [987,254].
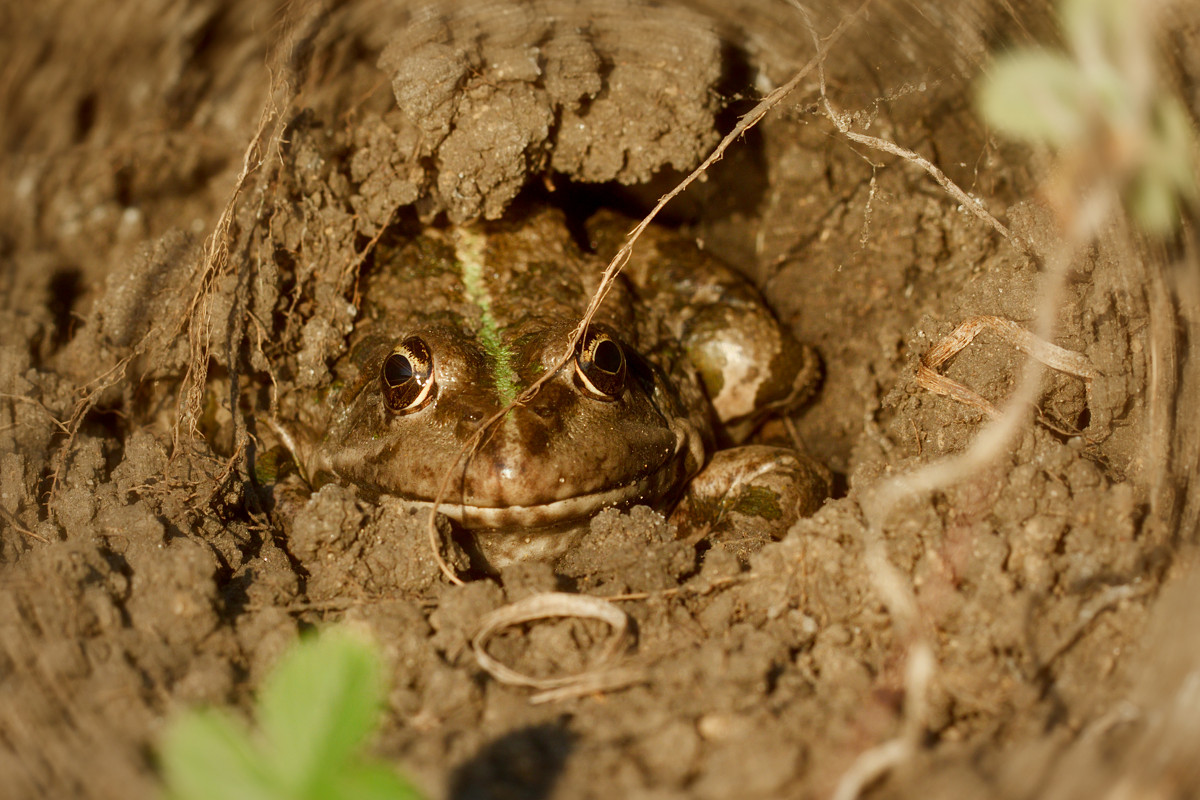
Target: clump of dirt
[498,94]
[176,286]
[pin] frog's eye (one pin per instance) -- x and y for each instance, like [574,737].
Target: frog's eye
[600,366]
[407,377]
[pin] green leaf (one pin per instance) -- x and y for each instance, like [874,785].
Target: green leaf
[1152,203]
[369,782]
[1175,143]
[1036,96]
[319,705]
[206,755]
[1166,178]
[1103,30]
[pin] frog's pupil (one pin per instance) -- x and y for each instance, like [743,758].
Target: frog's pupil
[607,356]
[397,370]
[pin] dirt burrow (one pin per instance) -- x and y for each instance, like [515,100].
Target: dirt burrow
[147,340]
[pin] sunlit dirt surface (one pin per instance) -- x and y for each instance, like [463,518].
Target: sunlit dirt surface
[190,195]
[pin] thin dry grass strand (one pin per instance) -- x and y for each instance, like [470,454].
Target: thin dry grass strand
[16,525]
[745,123]
[214,264]
[90,396]
[353,265]
[842,123]
[555,605]
[62,426]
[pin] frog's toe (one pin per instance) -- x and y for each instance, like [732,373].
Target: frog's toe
[751,495]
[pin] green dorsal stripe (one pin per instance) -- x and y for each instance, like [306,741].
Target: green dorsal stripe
[470,247]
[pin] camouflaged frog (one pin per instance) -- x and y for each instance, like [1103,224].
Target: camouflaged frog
[682,358]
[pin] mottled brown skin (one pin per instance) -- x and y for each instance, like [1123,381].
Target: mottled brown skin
[704,360]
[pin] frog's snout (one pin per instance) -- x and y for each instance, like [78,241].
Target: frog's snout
[543,473]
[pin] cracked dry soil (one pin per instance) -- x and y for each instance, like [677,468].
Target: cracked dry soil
[167,290]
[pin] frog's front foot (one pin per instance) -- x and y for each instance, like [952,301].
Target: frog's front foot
[751,495]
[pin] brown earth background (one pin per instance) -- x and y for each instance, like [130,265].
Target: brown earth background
[189,193]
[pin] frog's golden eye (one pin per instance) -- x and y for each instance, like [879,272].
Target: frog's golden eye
[600,366]
[407,377]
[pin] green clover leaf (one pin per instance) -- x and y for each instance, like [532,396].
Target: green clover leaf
[315,712]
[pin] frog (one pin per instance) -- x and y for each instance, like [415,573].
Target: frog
[652,406]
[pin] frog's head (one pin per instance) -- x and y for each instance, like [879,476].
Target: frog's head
[603,431]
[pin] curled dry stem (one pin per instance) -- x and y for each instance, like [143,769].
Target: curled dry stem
[601,677]
[1057,358]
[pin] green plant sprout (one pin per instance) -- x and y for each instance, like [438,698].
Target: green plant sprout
[1100,104]
[314,714]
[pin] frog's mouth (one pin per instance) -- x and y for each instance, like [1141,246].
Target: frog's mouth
[563,512]
[499,493]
